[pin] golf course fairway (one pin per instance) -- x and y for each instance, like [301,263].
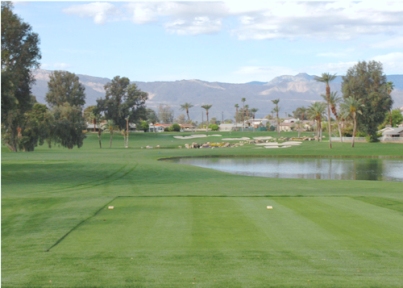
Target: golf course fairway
[116,217]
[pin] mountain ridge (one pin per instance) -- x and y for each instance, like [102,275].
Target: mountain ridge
[293,91]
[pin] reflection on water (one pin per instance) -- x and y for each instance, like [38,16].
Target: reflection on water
[306,168]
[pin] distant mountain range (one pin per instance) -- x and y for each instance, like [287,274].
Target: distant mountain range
[293,92]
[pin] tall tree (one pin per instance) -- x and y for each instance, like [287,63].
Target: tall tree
[326,78]
[367,83]
[111,127]
[277,110]
[334,99]
[122,99]
[236,112]
[352,106]
[20,54]
[389,88]
[151,116]
[186,107]
[253,111]
[243,113]
[316,112]
[165,113]
[36,127]
[207,107]
[69,125]
[300,113]
[65,87]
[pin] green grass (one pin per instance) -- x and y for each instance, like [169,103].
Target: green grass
[180,226]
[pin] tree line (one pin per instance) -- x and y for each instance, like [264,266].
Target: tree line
[27,123]
[366,101]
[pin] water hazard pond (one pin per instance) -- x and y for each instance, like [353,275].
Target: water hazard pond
[305,168]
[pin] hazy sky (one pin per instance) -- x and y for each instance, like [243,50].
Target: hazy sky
[225,41]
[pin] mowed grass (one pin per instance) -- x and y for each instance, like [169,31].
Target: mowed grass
[179,226]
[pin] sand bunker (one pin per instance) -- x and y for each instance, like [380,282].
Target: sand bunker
[268,144]
[291,143]
[263,138]
[196,136]
[272,147]
[236,139]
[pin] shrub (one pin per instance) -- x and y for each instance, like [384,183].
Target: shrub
[175,127]
[144,125]
[214,127]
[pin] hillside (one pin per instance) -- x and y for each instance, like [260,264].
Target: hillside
[293,91]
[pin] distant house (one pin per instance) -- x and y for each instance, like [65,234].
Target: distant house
[92,127]
[286,127]
[290,120]
[158,127]
[187,127]
[390,132]
[230,127]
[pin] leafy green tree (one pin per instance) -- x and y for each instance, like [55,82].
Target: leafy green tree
[65,87]
[352,107]
[326,78]
[36,127]
[151,116]
[316,112]
[207,107]
[186,107]
[389,88]
[366,83]
[144,125]
[122,99]
[69,125]
[393,118]
[20,54]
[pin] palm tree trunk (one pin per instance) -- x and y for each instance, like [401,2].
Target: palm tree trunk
[339,128]
[354,128]
[207,121]
[329,126]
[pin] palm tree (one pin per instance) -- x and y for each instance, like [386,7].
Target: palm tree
[315,112]
[277,110]
[186,107]
[334,99]
[253,111]
[389,88]
[243,111]
[326,78]
[236,112]
[111,127]
[206,107]
[352,106]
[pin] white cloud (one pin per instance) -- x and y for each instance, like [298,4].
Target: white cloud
[99,11]
[263,73]
[392,62]
[338,68]
[392,42]
[181,17]
[341,20]
[257,19]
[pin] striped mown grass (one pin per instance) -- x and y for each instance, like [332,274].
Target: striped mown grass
[175,225]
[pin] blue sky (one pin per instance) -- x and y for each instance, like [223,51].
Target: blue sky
[224,41]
